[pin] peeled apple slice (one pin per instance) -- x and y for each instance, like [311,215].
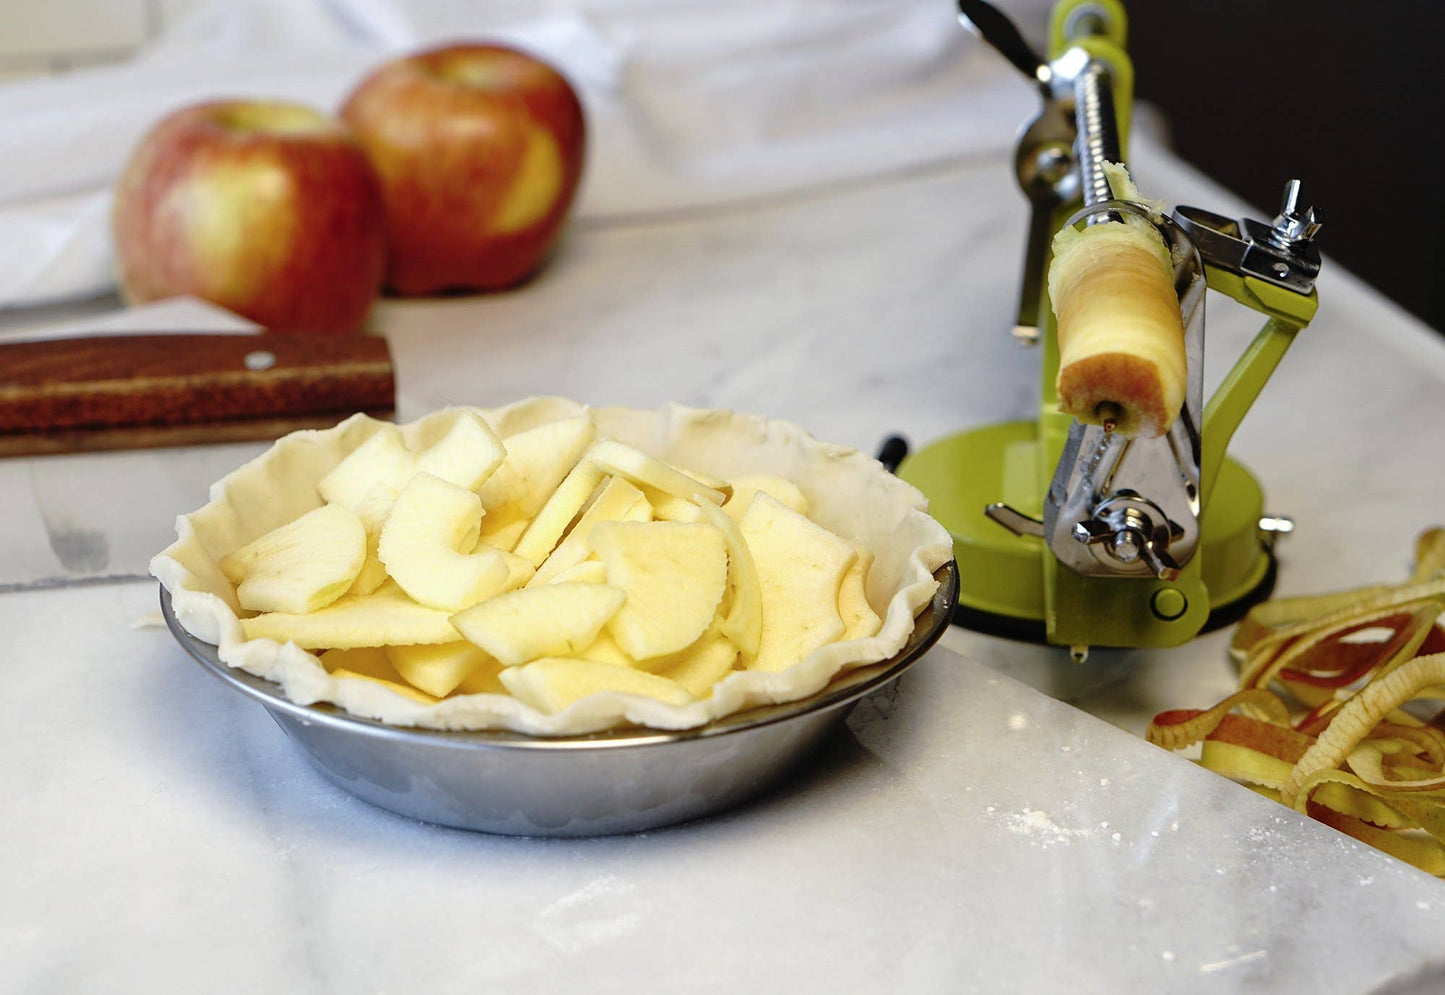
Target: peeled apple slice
[486,679]
[1120,331]
[586,572]
[304,565]
[372,510]
[370,661]
[547,620]
[744,487]
[466,455]
[421,543]
[715,483]
[536,462]
[404,690]
[800,570]
[566,501]
[386,617]
[618,501]
[613,457]
[604,649]
[437,669]
[519,570]
[551,684]
[674,575]
[703,667]
[381,459]
[671,508]
[502,535]
[743,621]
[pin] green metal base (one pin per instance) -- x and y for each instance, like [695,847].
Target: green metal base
[1016,580]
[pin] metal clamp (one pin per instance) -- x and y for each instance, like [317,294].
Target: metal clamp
[1282,252]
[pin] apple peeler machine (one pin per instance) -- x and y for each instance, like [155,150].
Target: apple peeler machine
[1072,533]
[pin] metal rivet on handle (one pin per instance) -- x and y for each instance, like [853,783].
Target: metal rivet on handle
[260,360]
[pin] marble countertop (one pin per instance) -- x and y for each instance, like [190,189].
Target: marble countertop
[992,823]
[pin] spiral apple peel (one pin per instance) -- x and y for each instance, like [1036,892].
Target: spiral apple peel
[1361,666]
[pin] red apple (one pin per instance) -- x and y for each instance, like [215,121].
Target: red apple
[479,149]
[271,210]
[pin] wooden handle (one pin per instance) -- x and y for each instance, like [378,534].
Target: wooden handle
[136,391]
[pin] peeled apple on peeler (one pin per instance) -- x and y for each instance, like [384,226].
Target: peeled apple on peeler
[1120,331]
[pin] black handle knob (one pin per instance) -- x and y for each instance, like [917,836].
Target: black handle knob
[893,452]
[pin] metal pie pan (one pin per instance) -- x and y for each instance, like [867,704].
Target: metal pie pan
[596,785]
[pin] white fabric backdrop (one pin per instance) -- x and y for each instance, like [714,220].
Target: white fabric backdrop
[691,102]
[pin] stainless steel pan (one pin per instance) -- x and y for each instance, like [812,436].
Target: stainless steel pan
[596,785]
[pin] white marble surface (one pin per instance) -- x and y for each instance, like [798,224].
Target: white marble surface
[161,834]
[966,834]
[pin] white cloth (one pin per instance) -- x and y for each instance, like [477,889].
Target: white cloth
[690,102]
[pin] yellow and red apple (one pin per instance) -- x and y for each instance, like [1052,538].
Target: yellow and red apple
[480,149]
[271,210]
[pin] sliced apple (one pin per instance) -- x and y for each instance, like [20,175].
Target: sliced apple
[742,620]
[552,683]
[372,510]
[744,487]
[386,617]
[800,569]
[437,669]
[613,457]
[618,500]
[604,649]
[716,483]
[502,534]
[671,508]
[485,679]
[421,545]
[536,462]
[547,620]
[859,619]
[370,661]
[466,455]
[405,690]
[381,459]
[561,508]
[519,569]
[304,565]
[702,667]
[587,572]
[674,575]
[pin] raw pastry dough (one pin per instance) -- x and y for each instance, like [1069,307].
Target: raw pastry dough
[847,492]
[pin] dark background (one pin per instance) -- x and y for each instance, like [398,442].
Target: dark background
[1345,96]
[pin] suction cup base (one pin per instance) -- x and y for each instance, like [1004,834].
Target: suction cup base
[1027,630]
[1012,586]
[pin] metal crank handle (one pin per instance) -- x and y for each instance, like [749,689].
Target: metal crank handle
[994,27]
